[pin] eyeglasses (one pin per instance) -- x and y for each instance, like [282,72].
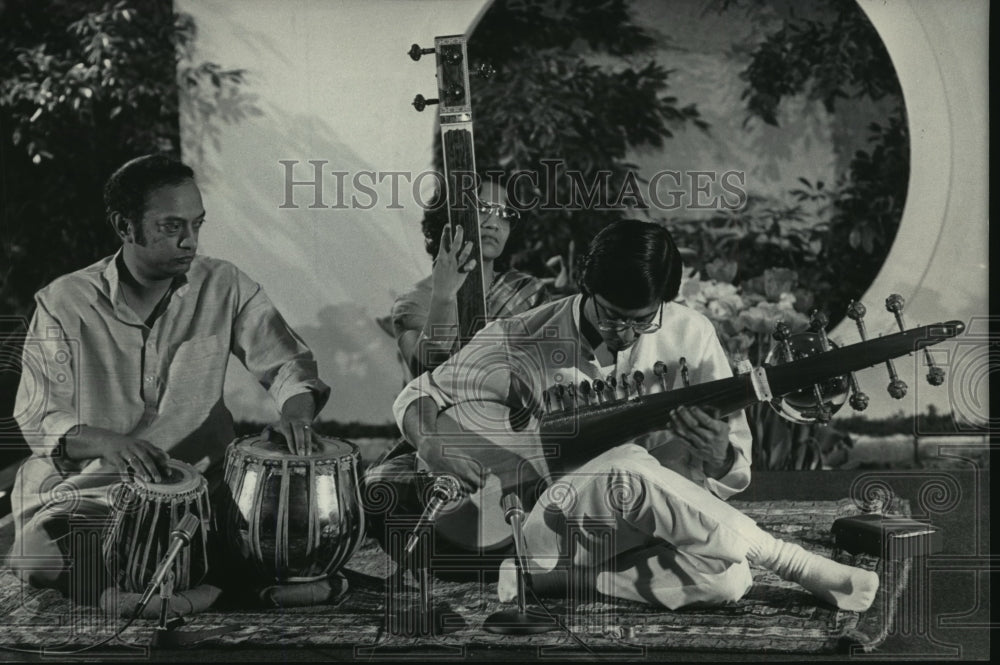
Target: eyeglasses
[500,210]
[610,324]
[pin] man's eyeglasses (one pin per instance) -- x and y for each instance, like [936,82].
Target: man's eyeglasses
[500,210]
[611,324]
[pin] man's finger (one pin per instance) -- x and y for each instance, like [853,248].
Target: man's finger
[302,439]
[286,433]
[709,418]
[144,465]
[695,426]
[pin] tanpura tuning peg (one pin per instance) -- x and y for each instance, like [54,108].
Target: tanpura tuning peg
[612,383]
[584,392]
[547,400]
[935,375]
[420,102]
[684,372]
[451,54]
[486,71]
[571,396]
[660,370]
[638,377]
[416,52]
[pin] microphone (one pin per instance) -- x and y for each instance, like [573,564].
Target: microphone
[522,621]
[180,537]
[512,510]
[444,490]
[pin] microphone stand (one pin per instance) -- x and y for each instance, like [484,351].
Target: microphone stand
[164,635]
[522,621]
[423,619]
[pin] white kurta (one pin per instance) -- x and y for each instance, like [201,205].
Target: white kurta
[641,520]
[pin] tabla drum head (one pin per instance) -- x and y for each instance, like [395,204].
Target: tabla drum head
[275,449]
[181,478]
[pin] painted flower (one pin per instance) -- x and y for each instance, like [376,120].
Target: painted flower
[778,281]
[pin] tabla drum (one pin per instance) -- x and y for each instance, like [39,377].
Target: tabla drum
[292,518]
[143,515]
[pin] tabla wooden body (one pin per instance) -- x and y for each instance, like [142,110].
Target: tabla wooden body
[293,518]
[144,514]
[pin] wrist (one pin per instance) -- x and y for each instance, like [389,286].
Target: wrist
[720,470]
[299,407]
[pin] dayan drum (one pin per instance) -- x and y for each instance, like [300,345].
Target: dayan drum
[293,518]
[143,515]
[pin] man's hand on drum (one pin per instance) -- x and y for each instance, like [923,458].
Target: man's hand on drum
[297,415]
[127,453]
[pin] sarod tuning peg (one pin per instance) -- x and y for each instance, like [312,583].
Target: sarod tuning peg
[638,377]
[935,375]
[856,311]
[560,392]
[816,402]
[571,402]
[817,322]
[599,387]
[660,370]
[612,384]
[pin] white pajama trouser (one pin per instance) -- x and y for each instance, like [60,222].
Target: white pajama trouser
[629,527]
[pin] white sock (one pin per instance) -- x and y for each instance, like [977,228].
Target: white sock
[847,587]
[544,583]
[507,583]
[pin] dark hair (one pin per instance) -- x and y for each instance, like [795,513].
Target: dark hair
[633,264]
[127,189]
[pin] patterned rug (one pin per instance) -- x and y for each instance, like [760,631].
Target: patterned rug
[774,616]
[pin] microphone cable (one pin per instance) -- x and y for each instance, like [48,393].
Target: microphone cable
[555,617]
[45,652]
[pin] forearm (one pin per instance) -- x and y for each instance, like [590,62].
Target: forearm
[300,407]
[420,423]
[87,442]
[719,471]
[441,328]
[432,344]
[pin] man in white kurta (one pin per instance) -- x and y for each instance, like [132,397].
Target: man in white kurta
[675,541]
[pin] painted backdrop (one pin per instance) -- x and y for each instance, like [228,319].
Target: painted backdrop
[330,88]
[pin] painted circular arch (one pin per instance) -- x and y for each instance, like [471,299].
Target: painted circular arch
[922,223]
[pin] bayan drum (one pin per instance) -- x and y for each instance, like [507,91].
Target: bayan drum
[144,514]
[292,518]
